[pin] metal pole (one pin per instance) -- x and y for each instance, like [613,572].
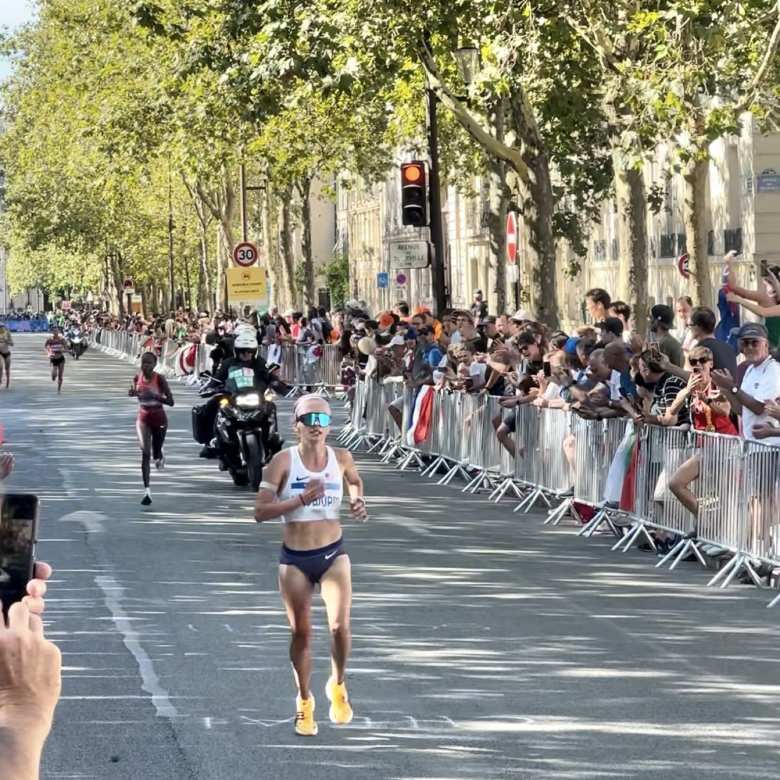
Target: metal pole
[242,178]
[437,232]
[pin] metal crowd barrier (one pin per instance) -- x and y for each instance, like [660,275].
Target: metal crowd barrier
[185,362]
[610,465]
[311,369]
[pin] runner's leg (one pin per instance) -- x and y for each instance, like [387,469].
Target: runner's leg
[145,442]
[158,439]
[296,591]
[336,587]
[60,374]
[8,370]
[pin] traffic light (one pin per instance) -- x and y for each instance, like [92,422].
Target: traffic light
[414,194]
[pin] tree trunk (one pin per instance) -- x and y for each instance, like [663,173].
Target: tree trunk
[304,189]
[499,205]
[287,255]
[695,219]
[221,283]
[631,203]
[271,247]
[206,302]
[144,308]
[538,210]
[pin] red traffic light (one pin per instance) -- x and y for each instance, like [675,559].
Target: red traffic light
[414,194]
[413,173]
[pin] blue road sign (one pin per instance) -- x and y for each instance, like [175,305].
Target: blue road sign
[382,280]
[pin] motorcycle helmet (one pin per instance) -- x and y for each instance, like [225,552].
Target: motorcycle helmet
[245,339]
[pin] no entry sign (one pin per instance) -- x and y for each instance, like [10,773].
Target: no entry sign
[511,238]
[245,254]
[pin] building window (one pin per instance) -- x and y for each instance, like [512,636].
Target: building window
[672,244]
[732,240]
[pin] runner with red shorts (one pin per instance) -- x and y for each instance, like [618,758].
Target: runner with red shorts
[152,391]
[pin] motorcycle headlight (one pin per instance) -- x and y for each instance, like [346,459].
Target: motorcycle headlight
[248,401]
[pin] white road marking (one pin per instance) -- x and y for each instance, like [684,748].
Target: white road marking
[92,521]
[112,594]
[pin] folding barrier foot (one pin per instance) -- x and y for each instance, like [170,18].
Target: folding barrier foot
[637,529]
[774,601]
[554,516]
[740,562]
[376,445]
[602,516]
[433,468]
[412,456]
[502,489]
[691,545]
[530,500]
[457,468]
[477,483]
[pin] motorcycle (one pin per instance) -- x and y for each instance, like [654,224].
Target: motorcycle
[244,434]
[78,344]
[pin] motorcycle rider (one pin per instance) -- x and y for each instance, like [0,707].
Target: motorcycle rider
[246,369]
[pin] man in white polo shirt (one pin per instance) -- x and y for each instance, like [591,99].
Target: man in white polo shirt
[761,383]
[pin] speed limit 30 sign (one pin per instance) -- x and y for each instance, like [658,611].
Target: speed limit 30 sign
[245,254]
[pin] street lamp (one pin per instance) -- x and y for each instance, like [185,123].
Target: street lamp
[467,58]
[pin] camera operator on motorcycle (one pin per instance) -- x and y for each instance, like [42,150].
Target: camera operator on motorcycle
[246,372]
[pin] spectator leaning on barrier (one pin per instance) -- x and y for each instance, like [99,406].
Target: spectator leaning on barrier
[662,321]
[709,411]
[760,384]
[610,329]
[622,311]
[664,389]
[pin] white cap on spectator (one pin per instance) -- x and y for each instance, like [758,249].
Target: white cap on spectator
[521,315]
[397,341]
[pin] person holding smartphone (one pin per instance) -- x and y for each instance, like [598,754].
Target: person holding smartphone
[303,486]
[30,681]
[152,391]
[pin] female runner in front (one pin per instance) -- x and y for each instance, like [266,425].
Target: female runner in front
[304,486]
[55,347]
[152,391]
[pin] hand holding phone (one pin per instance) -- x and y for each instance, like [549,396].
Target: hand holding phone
[18,536]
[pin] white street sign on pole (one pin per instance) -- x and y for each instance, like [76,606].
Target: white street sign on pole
[408,254]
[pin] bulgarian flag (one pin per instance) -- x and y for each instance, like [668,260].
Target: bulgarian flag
[420,424]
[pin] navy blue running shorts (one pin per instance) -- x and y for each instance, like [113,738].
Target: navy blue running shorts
[313,563]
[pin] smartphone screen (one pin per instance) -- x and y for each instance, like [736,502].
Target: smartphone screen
[547,367]
[18,534]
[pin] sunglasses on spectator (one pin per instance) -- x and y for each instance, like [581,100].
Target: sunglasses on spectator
[699,361]
[314,419]
[750,342]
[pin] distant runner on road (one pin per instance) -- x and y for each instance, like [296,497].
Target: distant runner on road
[56,346]
[6,342]
[152,391]
[304,486]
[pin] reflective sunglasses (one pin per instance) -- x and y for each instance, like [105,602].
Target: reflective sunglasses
[698,361]
[313,419]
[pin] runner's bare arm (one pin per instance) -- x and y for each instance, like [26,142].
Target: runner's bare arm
[267,504]
[354,484]
[166,391]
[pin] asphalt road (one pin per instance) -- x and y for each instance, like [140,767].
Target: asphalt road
[485,645]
